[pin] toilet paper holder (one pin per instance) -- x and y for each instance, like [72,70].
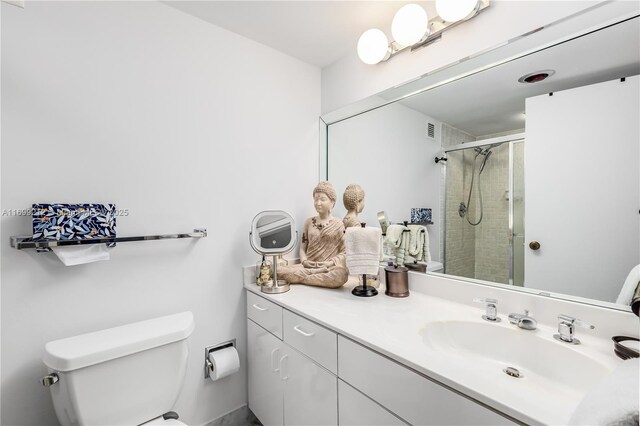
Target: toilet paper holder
[208,366]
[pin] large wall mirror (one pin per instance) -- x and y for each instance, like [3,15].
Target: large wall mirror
[540,189]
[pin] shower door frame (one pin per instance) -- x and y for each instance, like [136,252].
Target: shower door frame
[511,140]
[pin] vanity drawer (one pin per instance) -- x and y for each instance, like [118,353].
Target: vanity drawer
[409,395]
[265,313]
[313,340]
[355,409]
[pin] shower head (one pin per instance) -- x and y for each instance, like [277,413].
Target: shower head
[483,151]
[487,153]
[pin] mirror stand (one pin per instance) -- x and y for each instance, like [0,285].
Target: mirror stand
[274,285]
[273,233]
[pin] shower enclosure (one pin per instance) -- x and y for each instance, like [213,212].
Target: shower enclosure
[484,210]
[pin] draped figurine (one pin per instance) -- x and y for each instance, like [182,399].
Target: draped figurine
[353,200]
[322,250]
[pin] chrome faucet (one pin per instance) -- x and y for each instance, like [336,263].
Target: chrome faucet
[566,328]
[492,309]
[523,321]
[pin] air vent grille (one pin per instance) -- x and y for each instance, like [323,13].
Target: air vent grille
[431,130]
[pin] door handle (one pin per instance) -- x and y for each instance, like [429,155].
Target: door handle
[273,359]
[255,305]
[283,376]
[534,245]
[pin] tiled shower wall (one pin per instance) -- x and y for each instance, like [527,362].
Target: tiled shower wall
[480,251]
[492,234]
[459,256]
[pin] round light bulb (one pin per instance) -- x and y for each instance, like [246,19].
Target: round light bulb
[455,10]
[409,24]
[372,46]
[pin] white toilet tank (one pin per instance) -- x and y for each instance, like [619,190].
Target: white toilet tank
[120,376]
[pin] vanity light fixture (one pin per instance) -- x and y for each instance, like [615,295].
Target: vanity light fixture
[412,29]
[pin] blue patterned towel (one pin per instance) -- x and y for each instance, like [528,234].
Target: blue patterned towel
[73,221]
[421,215]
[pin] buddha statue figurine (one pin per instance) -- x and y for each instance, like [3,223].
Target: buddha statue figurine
[322,250]
[353,199]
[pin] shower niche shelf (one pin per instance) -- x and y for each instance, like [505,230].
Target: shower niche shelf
[25,242]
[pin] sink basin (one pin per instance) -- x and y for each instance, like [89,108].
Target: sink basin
[484,350]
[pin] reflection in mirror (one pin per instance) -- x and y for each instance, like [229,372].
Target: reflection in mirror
[273,233]
[540,188]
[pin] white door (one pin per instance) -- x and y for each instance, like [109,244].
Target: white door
[265,385]
[582,189]
[310,391]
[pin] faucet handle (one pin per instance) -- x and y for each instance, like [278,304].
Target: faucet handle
[566,328]
[575,321]
[492,309]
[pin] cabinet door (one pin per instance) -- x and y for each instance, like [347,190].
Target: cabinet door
[310,391]
[265,385]
[355,409]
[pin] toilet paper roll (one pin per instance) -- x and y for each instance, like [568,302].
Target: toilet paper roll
[224,363]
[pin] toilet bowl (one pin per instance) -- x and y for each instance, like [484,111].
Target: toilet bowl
[127,375]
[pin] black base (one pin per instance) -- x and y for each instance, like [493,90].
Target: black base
[364,291]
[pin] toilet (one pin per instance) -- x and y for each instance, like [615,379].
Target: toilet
[435,266]
[127,375]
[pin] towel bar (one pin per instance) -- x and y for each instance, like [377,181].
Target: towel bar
[23,242]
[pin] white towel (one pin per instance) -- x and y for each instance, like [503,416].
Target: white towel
[418,246]
[362,247]
[397,239]
[612,401]
[394,235]
[629,287]
[77,255]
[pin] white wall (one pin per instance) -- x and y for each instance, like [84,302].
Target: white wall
[349,80]
[183,123]
[386,151]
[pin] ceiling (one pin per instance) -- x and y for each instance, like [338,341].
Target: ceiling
[493,101]
[316,32]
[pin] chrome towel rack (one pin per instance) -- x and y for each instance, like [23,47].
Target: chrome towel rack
[25,242]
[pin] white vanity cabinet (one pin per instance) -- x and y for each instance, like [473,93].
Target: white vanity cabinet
[301,373]
[287,387]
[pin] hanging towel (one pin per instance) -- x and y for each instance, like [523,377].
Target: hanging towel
[394,235]
[397,239]
[613,401]
[363,249]
[418,246]
[77,255]
[635,302]
[629,287]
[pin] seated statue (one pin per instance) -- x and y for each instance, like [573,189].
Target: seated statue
[353,199]
[322,251]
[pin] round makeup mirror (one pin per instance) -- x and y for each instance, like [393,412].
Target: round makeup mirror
[273,232]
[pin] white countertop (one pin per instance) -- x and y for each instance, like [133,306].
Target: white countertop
[394,327]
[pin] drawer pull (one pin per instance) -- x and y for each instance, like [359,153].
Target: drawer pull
[273,359]
[284,376]
[297,328]
[255,305]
